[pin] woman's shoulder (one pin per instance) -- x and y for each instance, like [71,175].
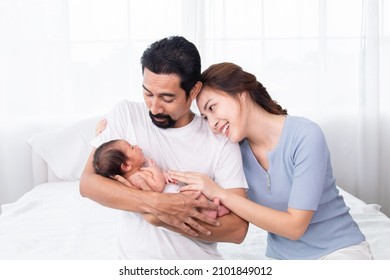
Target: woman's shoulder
[297,123]
[301,127]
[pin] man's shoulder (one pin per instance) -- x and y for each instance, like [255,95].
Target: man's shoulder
[126,104]
[129,108]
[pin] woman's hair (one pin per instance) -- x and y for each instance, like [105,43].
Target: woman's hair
[232,79]
[107,160]
[174,55]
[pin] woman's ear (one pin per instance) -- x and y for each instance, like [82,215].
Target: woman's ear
[195,90]
[243,96]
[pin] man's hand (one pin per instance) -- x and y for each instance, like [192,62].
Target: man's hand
[182,211]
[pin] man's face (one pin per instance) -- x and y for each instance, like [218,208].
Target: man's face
[166,100]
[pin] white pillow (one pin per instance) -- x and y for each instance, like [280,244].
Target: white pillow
[66,149]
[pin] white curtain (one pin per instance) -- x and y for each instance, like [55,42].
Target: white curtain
[327,60]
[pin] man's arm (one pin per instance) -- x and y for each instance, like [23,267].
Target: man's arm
[232,228]
[177,210]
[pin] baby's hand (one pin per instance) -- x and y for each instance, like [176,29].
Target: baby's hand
[151,162]
[156,178]
[168,178]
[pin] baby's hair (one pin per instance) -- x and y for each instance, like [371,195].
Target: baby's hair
[107,160]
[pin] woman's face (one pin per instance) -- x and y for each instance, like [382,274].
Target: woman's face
[223,113]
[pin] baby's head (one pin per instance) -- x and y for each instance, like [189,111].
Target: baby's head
[117,157]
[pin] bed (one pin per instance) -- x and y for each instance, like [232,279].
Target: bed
[53,222]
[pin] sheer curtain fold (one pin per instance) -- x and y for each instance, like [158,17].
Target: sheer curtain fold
[35,57]
[368,171]
[327,60]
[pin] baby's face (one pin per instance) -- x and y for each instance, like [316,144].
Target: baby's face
[133,152]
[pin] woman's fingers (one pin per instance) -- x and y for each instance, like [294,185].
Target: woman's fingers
[100,126]
[186,177]
[191,188]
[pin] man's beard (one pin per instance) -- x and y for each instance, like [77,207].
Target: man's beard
[167,123]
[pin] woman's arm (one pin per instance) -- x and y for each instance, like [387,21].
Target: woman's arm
[177,210]
[291,224]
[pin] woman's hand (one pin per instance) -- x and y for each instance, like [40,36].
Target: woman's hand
[198,182]
[101,125]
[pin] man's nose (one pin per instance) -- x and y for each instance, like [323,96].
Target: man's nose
[155,107]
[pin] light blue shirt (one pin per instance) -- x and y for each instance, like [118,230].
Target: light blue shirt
[300,176]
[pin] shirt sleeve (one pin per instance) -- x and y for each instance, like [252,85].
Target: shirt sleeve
[230,173]
[310,158]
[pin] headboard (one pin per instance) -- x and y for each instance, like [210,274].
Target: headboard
[29,144]
[60,154]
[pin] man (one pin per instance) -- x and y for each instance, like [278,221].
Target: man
[176,138]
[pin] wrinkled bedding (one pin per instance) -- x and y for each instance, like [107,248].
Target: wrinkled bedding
[53,221]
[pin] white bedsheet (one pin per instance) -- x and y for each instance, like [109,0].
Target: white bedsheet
[53,221]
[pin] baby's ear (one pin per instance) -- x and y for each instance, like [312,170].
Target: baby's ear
[126,167]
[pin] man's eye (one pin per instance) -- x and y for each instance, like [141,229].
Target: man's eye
[147,93]
[168,100]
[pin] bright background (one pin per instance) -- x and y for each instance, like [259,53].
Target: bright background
[323,59]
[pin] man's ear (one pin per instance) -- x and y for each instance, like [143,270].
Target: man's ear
[195,90]
[126,167]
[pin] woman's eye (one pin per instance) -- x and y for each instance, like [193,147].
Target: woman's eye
[211,108]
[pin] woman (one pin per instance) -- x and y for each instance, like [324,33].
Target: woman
[292,190]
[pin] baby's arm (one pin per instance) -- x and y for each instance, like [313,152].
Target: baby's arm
[155,184]
[153,176]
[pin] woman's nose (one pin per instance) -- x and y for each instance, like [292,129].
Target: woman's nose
[213,123]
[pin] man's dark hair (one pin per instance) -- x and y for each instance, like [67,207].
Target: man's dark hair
[174,55]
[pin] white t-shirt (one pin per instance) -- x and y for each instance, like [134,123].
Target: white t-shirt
[193,147]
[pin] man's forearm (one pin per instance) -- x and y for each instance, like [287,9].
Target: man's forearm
[114,194]
[232,229]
